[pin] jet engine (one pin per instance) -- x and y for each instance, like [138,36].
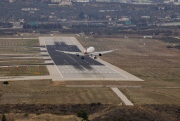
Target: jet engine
[100,54]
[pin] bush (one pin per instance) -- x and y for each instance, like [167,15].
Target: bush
[83,114]
[4,118]
[6,82]
[26,115]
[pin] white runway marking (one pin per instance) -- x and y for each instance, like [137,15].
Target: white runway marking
[117,72]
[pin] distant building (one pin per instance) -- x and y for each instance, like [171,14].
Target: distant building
[17,25]
[145,16]
[29,9]
[150,37]
[123,19]
[82,1]
[103,0]
[56,1]
[11,1]
[65,2]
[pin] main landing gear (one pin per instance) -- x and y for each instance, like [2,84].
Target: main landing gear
[77,54]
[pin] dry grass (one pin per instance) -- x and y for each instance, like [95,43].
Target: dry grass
[47,92]
[17,61]
[148,59]
[17,46]
[23,71]
[20,47]
[41,117]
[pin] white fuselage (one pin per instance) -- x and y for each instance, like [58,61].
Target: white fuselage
[89,50]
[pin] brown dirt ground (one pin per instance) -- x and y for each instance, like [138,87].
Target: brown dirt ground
[95,112]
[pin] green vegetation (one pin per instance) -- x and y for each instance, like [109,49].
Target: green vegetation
[24,71]
[4,118]
[6,82]
[83,114]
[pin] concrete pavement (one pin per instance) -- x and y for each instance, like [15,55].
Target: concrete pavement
[122,96]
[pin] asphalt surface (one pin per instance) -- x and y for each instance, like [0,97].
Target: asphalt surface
[61,58]
[72,67]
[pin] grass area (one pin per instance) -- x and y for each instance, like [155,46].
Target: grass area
[42,117]
[146,95]
[23,71]
[20,47]
[148,59]
[47,92]
[17,61]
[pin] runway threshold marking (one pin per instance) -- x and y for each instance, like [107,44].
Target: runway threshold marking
[52,60]
[116,71]
[77,61]
[73,41]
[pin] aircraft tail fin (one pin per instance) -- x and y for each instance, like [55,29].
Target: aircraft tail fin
[85,44]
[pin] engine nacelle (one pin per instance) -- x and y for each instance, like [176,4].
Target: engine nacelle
[100,54]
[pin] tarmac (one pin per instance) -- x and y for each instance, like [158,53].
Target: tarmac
[72,67]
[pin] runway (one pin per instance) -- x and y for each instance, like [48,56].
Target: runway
[72,67]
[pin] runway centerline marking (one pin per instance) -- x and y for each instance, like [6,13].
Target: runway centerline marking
[75,61]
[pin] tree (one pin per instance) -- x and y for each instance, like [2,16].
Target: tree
[4,118]
[83,114]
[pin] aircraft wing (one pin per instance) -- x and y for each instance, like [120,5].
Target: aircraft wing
[103,52]
[73,53]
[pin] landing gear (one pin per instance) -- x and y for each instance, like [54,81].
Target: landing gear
[95,57]
[82,57]
[77,54]
[91,55]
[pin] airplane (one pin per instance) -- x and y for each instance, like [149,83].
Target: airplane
[90,51]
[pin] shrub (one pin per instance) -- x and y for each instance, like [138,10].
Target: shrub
[83,114]
[4,118]
[6,82]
